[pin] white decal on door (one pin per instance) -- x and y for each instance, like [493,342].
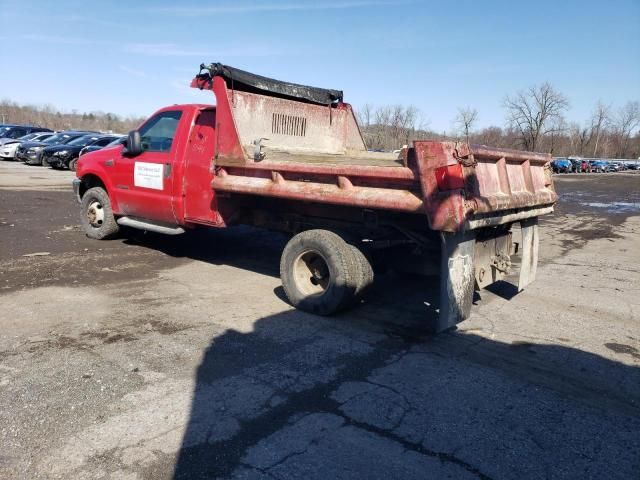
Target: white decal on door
[148,175]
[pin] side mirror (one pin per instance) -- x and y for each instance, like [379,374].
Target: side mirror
[133,145]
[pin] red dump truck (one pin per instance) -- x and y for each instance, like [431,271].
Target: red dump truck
[292,158]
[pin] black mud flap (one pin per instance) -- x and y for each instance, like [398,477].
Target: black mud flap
[457,280]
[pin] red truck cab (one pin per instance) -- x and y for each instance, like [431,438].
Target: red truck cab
[169,182]
[292,158]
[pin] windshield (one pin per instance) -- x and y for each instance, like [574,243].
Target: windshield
[117,141]
[3,130]
[83,141]
[41,137]
[57,138]
[28,136]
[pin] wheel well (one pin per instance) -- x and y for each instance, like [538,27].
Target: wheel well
[90,181]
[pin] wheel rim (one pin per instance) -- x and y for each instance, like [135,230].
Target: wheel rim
[311,273]
[95,214]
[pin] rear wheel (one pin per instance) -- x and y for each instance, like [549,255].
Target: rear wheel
[73,164]
[319,272]
[97,216]
[364,273]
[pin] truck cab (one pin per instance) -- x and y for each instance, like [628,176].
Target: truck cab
[153,183]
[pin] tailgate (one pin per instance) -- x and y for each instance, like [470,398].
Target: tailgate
[474,186]
[506,185]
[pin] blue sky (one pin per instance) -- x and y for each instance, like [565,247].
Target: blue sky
[134,57]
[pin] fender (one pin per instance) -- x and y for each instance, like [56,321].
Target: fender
[98,171]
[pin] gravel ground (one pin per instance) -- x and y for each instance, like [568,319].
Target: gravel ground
[152,357]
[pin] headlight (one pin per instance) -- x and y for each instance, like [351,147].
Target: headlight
[36,149]
[62,153]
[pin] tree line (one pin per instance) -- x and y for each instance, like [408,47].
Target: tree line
[535,120]
[50,117]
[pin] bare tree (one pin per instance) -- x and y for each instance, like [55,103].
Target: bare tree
[530,112]
[364,115]
[580,137]
[599,120]
[626,122]
[465,120]
[555,132]
[388,127]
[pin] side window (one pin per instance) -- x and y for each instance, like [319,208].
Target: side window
[158,133]
[103,141]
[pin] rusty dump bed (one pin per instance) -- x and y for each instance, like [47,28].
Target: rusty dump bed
[270,145]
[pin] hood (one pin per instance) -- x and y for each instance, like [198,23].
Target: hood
[32,144]
[58,148]
[91,148]
[95,157]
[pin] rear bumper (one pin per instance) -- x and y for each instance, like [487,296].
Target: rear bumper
[507,216]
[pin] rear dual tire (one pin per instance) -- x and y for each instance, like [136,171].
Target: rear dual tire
[323,274]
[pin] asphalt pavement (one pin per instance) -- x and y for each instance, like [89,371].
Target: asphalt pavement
[151,357]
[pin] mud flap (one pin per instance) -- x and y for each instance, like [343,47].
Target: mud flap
[457,280]
[530,241]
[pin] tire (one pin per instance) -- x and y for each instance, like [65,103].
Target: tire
[72,164]
[96,215]
[364,273]
[319,272]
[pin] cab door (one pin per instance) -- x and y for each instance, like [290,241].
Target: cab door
[200,205]
[145,183]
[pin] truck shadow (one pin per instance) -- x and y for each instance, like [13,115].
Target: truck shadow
[458,398]
[249,248]
[258,250]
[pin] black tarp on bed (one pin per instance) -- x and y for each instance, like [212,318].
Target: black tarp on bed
[245,81]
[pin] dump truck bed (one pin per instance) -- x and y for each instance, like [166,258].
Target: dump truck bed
[301,143]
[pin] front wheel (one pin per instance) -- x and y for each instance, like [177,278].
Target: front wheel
[97,216]
[73,164]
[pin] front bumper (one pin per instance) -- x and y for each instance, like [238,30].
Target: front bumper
[76,189]
[55,162]
[31,158]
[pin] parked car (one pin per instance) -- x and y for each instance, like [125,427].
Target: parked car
[599,166]
[24,138]
[633,166]
[585,167]
[561,165]
[31,152]
[94,148]
[16,131]
[615,166]
[8,150]
[66,156]
[576,165]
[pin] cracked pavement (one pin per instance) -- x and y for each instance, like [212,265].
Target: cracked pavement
[156,358]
